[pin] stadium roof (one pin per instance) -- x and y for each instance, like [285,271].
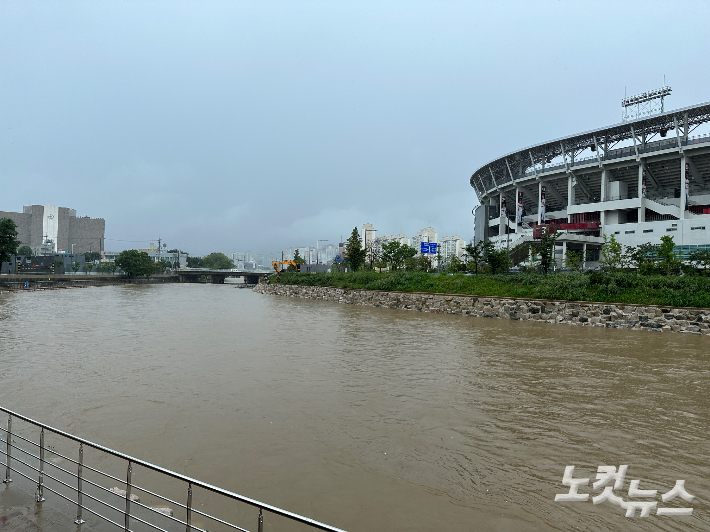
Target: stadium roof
[502,169]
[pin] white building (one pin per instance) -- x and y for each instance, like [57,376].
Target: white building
[425,235]
[452,246]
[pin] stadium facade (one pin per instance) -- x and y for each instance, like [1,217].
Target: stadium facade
[638,180]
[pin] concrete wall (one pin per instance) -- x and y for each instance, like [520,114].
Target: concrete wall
[649,318]
[87,234]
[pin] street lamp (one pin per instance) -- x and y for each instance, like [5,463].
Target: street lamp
[318,241]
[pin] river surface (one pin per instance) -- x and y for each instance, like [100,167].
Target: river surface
[367,418]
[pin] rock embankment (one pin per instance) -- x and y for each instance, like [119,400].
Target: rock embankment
[616,316]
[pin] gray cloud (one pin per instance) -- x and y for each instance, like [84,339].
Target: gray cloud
[234,126]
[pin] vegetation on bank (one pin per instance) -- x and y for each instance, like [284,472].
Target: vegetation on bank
[612,287]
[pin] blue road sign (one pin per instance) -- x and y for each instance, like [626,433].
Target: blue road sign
[428,247]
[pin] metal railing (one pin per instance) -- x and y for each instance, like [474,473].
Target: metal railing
[128,507]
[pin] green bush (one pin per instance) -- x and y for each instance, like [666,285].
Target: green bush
[614,287]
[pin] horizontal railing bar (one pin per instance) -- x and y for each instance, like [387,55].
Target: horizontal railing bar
[194,482]
[21,449]
[92,511]
[107,490]
[83,507]
[159,513]
[193,510]
[15,434]
[122,481]
[159,496]
[24,463]
[23,475]
[83,493]
[61,455]
[147,523]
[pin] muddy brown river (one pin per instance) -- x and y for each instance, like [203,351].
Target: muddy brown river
[368,418]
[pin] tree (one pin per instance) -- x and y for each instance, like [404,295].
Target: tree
[498,261]
[194,262]
[25,250]
[669,262]
[297,257]
[573,261]
[356,254]
[75,266]
[91,256]
[135,263]
[421,263]
[545,248]
[644,257]
[113,266]
[474,254]
[394,254]
[612,256]
[162,265]
[8,239]
[701,258]
[217,261]
[374,253]
[455,265]
[89,266]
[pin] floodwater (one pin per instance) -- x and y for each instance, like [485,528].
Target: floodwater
[367,418]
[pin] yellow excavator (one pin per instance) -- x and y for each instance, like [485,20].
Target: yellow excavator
[276,265]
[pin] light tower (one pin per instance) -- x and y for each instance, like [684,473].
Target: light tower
[645,104]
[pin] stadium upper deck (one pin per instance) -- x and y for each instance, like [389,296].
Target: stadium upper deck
[657,183]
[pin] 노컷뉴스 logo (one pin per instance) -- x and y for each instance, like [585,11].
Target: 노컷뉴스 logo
[605,476]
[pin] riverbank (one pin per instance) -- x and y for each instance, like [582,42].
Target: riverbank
[620,287]
[22,283]
[580,313]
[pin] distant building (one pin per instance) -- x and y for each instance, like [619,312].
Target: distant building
[452,246]
[153,253]
[243,261]
[49,229]
[425,235]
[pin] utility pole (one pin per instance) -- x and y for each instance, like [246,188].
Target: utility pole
[158,249]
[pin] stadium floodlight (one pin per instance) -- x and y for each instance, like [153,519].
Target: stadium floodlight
[645,104]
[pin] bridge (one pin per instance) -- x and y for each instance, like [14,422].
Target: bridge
[194,275]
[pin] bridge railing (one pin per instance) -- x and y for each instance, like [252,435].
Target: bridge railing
[83,481]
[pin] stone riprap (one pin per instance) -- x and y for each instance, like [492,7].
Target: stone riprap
[616,316]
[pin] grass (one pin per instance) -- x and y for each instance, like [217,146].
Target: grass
[616,287]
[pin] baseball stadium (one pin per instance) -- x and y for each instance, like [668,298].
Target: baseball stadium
[638,180]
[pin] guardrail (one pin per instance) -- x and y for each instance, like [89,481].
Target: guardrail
[127,511]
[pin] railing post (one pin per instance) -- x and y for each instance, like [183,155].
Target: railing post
[7,454]
[79,520]
[127,513]
[260,527]
[40,484]
[188,518]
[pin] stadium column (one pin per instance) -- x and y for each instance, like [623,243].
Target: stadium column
[570,195]
[683,184]
[501,226]
[642,200]
[605,183]
[518,228]
[539,201]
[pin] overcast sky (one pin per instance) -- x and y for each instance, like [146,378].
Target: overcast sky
[234,126]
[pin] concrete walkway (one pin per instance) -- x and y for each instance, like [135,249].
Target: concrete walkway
[20,513]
